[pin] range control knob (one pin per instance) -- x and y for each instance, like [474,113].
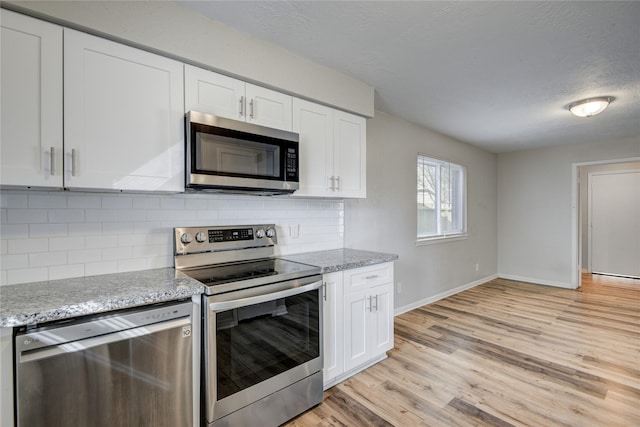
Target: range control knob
[201,237]
[186,238]
[271,232]
[259,233]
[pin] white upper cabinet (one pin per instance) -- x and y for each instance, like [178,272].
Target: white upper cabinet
[349,154]
[124,117]
[314,123]
[332,151]
[213,93]
[31,110]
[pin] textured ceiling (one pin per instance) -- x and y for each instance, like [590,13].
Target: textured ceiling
[494,74]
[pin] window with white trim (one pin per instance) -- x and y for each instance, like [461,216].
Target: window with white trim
[442,198]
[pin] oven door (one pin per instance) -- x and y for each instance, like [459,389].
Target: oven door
[259,341]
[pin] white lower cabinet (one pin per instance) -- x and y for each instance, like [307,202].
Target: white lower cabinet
[358,320]
[333,325]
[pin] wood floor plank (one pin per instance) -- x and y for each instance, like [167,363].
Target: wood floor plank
[504,353]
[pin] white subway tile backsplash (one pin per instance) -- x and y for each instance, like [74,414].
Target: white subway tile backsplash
[13,262]
[55,235]
[26,216]
[103,267]
[85,229]
[66,215]
[27,246]
[47,258]
[84,256]
[48,230]
[59,272]
[46,201]
[14,231]
[57,244]
[27,275]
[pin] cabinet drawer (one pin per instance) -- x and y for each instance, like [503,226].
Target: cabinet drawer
[366,277]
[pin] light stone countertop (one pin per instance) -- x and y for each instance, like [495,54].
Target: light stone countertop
[39,302]
[341,259]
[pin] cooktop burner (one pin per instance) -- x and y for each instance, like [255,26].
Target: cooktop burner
[232,258]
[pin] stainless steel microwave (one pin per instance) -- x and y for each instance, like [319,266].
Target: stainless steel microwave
[226,155]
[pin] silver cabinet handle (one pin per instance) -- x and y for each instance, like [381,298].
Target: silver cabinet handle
[376,297]
[52,162]
[375,276]
[324,290]
[73,162]
[241,106]
[332,187]
[338,183]
[251,108]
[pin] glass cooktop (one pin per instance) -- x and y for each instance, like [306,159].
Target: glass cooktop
[252,273]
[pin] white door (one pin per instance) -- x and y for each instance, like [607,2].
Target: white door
[333,325]
[213,93]
[314,123]
[382,332]
[266,107]
[31,110]
[357,318]
[349,156]
[123,122]
[615,223]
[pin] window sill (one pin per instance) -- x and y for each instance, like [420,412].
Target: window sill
[424,241]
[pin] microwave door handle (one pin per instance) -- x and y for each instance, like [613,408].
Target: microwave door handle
[271,296]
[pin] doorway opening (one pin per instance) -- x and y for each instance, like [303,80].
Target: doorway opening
[608,187]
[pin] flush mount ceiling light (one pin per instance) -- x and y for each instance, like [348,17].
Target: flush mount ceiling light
[590,106]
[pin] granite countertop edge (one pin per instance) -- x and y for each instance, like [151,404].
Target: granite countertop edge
[334,260]
[41,302]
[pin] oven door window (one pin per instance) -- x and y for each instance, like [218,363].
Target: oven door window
[225,155]
[258,342]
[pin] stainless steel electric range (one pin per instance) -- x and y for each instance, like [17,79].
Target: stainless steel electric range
[262,325]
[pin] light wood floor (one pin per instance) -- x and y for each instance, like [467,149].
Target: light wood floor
[504,353]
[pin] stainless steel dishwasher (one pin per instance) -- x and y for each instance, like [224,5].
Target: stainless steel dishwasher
[130,368]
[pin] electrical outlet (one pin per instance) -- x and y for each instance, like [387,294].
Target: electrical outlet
[399,287]
[294,231]
[477,267]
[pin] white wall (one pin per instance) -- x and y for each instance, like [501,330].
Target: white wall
[57,235]
[386,220]
[535,233]
[167,28]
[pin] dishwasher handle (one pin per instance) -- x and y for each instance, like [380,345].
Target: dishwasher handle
[81,345]
[271,296]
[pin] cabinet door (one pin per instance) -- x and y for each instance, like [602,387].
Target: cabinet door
[382,319]
[31,110]
[213,93]
[349,156]
[314,123]
[124,111]
[333,326]
[268,108]
[357,307]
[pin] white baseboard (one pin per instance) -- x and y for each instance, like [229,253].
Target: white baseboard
[537,281]
[442,295]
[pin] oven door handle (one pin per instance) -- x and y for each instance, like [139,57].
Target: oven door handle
[242,302]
